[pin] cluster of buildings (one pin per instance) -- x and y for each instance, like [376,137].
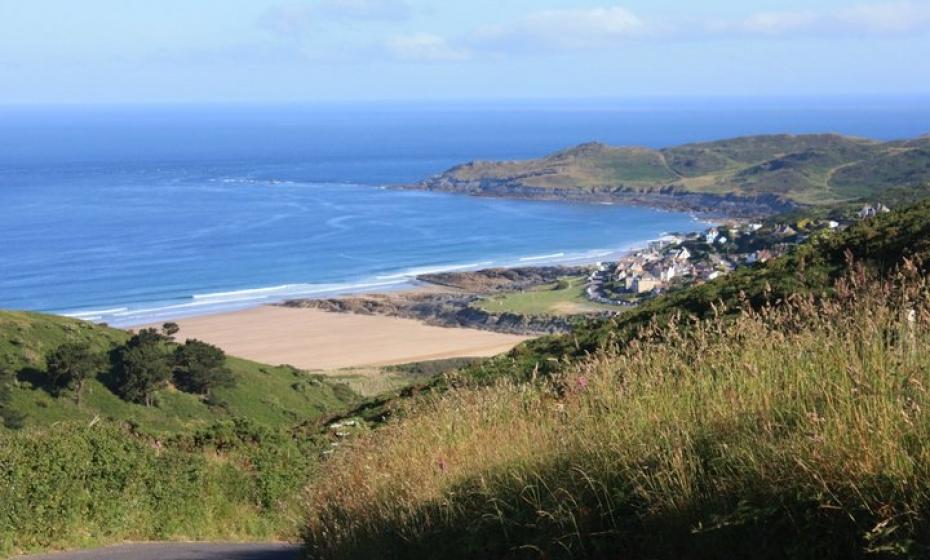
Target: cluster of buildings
[702,257]
[670,261]
[653,270]
[869,211]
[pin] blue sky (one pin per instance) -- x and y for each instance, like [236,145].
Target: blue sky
[104,51]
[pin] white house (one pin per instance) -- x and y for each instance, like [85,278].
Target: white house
[668,274]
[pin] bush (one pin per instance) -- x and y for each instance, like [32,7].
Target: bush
[9,417]
[104,484]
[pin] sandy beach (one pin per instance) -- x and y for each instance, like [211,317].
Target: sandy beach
[313,339]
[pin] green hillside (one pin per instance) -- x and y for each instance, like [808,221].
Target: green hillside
[778,412]
[274,396]
[804,170]
[227,465]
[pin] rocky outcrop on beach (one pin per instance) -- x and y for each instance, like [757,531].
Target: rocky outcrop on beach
[496,280]
[439,309]
[455,307]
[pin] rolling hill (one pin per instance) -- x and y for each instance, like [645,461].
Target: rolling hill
[741,176]
[273,396]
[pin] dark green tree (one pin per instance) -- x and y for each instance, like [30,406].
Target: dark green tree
[147,337]
[200,367]
[8,417]
[170,329]
[72,364]
[141,367]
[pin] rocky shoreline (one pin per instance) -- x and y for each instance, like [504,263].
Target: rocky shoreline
[667,198]
[452,306]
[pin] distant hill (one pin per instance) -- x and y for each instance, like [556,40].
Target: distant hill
[748,175]
[273,396]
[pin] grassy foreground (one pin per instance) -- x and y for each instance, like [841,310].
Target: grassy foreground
[103,470]
[797,431]
[79,485]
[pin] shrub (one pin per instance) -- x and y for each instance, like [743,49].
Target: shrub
[9,417]
[78,485]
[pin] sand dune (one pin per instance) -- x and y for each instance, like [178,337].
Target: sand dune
[312,339]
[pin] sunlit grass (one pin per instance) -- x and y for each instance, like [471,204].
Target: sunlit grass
[564,298]
[799,431]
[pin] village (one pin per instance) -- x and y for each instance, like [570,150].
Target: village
[681,260]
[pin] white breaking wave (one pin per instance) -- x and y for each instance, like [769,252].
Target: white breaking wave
[250,293]
[543,257]
[91,314]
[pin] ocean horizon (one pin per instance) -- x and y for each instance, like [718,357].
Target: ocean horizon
[132,215]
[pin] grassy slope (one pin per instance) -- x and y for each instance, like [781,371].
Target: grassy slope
[809,169]
[104,483]
[795,432]
[272,396]
[802,432]
[108,470]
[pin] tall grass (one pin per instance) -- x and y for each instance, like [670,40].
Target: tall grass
[798,431]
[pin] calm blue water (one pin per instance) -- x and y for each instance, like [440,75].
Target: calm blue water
[135,214]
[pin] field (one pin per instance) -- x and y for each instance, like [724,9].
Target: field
[565,298]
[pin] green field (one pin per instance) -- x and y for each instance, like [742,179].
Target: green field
[566,298]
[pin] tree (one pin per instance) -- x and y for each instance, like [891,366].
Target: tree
[146,337]
[200,367]
[141,367]
[8,417]
[170,329]
[71,364]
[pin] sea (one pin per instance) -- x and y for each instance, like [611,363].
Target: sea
[133,214]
